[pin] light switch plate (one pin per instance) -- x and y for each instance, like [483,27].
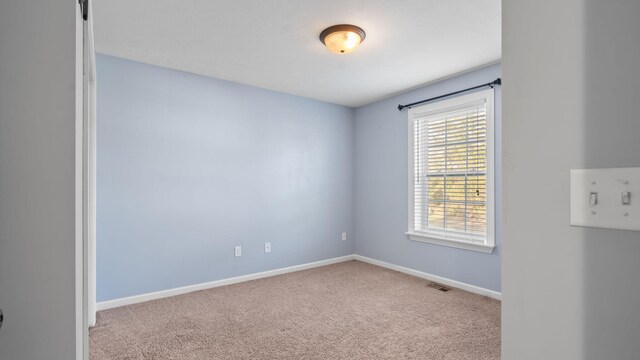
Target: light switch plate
[608,211]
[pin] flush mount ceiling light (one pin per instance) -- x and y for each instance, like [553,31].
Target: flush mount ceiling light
[342,39]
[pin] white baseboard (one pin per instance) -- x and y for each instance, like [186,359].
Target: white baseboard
[104,305]
[444,281]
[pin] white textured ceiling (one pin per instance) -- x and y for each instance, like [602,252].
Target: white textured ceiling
[274,44]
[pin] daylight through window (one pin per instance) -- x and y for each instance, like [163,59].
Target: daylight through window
[451,169]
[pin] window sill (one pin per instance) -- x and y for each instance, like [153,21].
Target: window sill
[451,242]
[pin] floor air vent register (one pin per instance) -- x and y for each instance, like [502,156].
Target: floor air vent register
[439,287]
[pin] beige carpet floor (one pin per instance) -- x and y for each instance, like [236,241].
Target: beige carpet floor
[350,310]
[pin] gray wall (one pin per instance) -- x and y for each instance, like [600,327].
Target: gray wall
[571,87]
[381,189]
[37,179]
[611,138]
[189,166]
[542,107]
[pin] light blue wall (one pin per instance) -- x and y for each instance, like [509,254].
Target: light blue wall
[189,166]
[381,189]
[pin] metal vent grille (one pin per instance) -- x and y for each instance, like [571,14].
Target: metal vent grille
[439,287]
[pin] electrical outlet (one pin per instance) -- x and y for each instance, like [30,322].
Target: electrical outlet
[238,251]
[267,247]
[344,236]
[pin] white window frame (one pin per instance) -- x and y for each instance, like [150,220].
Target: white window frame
[459,240]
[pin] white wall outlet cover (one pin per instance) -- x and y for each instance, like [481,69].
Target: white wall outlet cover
[238,251]
[344,236]
[605,198]
[267,247]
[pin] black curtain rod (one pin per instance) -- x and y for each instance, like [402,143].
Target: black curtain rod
[497,81]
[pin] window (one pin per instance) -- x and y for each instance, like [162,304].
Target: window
[451,197]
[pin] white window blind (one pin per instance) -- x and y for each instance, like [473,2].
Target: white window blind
[450,170]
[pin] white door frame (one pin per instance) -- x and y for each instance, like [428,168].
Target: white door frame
[89,173]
